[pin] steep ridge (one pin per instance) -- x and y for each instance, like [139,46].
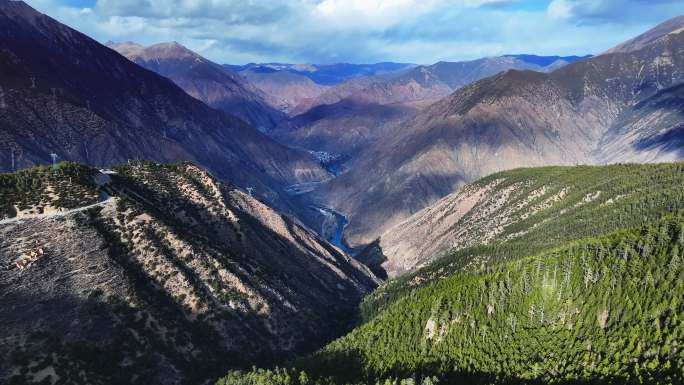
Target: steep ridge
[168,277]
[514,119]
[673,25]
[209,82]
[62,92]
[581,287]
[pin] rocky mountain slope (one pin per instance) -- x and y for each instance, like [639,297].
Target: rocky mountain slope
[209,82]
[158,274]
[514,119]
[561,275]
[63,93]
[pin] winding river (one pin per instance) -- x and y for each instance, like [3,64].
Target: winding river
[337,236]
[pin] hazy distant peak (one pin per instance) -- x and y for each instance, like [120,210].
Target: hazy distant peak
[669,27]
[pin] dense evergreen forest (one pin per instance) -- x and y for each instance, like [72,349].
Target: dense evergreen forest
[588,289]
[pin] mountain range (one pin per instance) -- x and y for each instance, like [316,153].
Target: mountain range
[349,117]
[325,74]
[287,89]
[572,115]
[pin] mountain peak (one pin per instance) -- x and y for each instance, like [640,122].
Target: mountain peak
[671,26]
[170,50]
[127,48]
[164,50]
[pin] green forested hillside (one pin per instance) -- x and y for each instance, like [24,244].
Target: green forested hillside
[528,210]
[573,300]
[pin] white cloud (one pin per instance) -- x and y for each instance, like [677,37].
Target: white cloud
[560,9]
[421,31]
[370,14]
[615,11]
[479,3]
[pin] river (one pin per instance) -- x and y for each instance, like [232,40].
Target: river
[337,236]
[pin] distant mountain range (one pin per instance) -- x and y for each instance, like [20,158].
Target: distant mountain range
[271,77]
[293,86]
[287,89]
[332,74]
[325,74]
[349,117]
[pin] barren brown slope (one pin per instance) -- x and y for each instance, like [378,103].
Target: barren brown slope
[515,119]
[171,278]
[333,94]
[207,81]
[63,92]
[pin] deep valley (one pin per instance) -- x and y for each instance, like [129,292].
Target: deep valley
[200,193]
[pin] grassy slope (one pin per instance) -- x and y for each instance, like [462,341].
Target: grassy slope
[594,294]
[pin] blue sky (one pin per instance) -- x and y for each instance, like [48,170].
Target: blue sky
[365,31]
